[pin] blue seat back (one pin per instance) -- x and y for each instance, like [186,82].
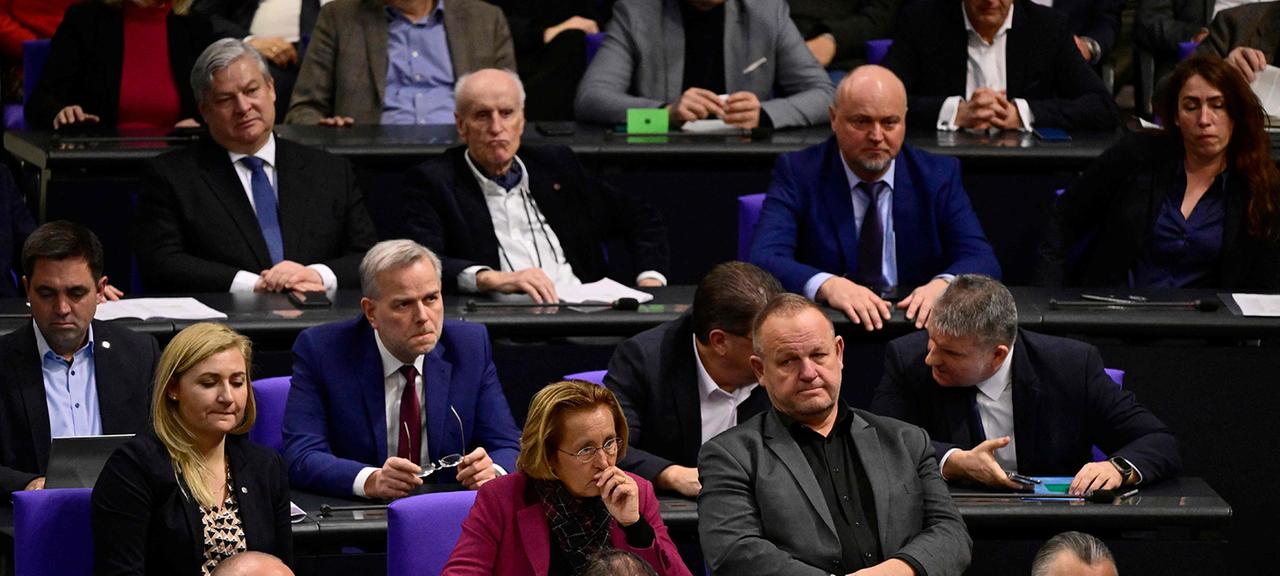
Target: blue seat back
[52,532]
[592,376]
[748,214]
[422,531]
[270,395]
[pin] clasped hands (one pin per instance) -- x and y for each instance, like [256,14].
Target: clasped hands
[867,308]
[986,109]
[979,466]
[289,275]
[398,477]
[741,109]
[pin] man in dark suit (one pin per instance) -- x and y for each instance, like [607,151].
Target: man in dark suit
[65,374]
[1094,25]
[244,211]
[818,234]
[1247,36]
[687,380]
[813,486]
[997,399]
[520,224]
[837,32]
[275,29]
[996,65]
[365,391]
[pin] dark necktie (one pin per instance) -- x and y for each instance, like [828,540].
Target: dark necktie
[410,418]
[264,202]
[869,271]
[509,180]
[976,433]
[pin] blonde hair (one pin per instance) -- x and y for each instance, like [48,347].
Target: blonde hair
[189,347]
[542,428]
[179,7]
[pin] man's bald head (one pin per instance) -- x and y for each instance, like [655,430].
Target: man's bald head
[869,118]
[489,109]
[252,564]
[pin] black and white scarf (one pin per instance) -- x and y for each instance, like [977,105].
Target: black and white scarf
[580,527]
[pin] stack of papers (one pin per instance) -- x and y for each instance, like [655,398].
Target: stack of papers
[147,308]
[602,291]
[1266,85]
[1258,304]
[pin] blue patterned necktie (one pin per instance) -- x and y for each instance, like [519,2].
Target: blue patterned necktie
[264,201]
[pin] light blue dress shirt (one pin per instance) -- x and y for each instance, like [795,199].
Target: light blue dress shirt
[70,390]
[884,208]
[419,71]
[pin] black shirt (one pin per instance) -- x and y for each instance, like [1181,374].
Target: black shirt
[835,463]
[703,48]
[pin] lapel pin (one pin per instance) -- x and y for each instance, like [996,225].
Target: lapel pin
[555,186]
[106,344]
[244,489]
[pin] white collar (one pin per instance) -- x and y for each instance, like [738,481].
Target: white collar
[707,386]
[491,188]
[42,345]
[1005,27]
[267,152]
[391,364]
[887,177]
[995,386]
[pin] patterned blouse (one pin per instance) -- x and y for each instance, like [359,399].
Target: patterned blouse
[223,534]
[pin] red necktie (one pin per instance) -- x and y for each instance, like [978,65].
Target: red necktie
[410,418]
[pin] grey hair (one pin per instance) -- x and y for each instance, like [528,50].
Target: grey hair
[390,255]
[216,58]
[1087,548]
[976,305]
[460,87]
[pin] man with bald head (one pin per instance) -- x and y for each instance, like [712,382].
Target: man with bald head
[252,563]
[526,223]
[862,218]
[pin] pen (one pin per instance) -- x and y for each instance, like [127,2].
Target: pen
[1016,477]
[1127,494]
[752,66]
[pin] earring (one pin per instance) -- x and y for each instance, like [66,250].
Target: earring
[173,397]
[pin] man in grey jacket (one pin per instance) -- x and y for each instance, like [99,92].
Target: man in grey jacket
[813,486]
[743,62]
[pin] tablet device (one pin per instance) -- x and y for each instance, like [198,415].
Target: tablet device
[76,461]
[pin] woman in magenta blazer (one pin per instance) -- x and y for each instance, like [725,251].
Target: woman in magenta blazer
[568,500]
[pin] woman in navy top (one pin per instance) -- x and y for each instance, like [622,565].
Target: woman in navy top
[1192,206]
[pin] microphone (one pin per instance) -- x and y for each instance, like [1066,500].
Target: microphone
[1201,304]
[619,304]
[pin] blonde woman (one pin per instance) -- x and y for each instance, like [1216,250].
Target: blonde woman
[569,500]
[194,491]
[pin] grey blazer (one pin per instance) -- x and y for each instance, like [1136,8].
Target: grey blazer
[1252,25]
[641,63]
[761,510]
[344,72]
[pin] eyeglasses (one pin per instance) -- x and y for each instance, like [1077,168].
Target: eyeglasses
[588,453]
[450,461]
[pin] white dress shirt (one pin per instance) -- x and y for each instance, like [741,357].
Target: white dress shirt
[985,68]
[245,280]
[884,207]
[279,19]
[525,238]
[393,383]
[719,408]
[995,408]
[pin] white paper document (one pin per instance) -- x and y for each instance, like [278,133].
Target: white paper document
[710,126]
[1258,304]
[296,514]
[147,308]
[1266,85]
[601,291]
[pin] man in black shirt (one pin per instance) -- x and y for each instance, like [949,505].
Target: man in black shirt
[873,482]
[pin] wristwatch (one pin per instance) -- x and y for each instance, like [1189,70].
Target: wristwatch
[1124,467]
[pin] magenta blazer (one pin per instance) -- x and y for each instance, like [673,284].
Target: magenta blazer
[507,534]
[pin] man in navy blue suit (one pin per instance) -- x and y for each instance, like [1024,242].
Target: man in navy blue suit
[862,217]
[377,399]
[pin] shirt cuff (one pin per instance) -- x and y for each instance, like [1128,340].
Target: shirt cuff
[947,115]
[499,469]
[1094,48]
[815,282]
[942,464]
[358,487]
[467,279]
[243,283]
[1024,110]
[327,277]
[639,535]
[948,278]
[651,275]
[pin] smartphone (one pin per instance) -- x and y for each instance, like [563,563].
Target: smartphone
[316,299]
[556,128]
[1051,135]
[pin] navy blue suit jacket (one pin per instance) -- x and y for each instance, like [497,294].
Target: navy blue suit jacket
[1063,404]
[335,419]
[806,225]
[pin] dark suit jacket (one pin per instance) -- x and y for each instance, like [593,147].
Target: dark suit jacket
[345,71]
[850,22]
[232,18]
[806,224]
[195,227]
[124,364]
[1043,66]
[1160,25]
[87,58]
[1063,405]
[335,421]
[655,378]
[1251,25]
[145,521]
[1097,19]
[761,510]
[445,210]
[1107,215]
[15,225]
